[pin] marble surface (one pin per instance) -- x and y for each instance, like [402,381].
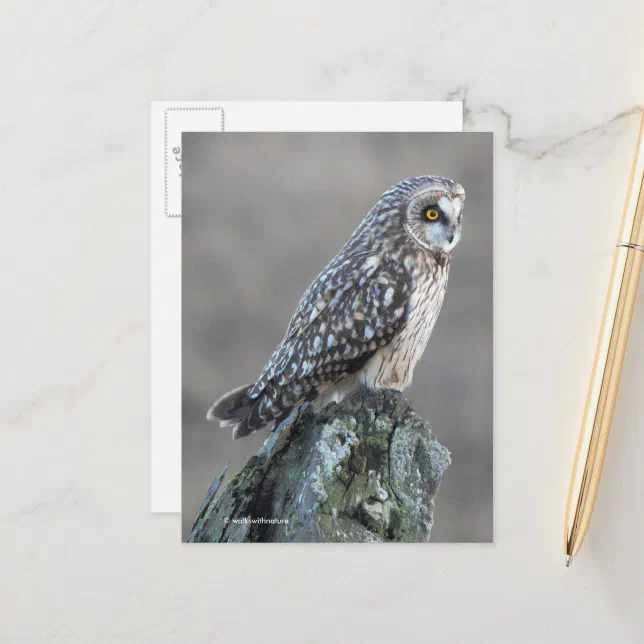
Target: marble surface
[82,558]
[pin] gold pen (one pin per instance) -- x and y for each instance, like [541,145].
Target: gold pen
[609,356]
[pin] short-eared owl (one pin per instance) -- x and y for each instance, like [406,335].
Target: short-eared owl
[366,318]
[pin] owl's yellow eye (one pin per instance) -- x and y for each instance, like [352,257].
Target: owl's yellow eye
[431,214]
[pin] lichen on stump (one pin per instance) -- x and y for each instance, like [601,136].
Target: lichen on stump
[364,470]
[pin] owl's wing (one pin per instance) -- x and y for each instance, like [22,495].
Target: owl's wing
[353,308]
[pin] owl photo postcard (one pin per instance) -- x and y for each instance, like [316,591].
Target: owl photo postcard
[337,324]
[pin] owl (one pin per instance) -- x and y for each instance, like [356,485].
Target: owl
[367,317]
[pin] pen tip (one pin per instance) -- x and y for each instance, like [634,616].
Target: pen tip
[569,560]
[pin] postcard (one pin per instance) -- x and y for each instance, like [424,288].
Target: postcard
[337,335]
[169,120]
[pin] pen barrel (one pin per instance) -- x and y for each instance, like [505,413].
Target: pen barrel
[609,357]
[602,394]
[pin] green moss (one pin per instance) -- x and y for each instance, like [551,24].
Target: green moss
[358,463]
[378,444]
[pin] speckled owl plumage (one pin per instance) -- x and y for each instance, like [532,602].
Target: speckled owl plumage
[366,318]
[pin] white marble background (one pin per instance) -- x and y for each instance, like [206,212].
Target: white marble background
[561,84]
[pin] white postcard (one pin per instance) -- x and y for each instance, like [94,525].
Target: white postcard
[169,121]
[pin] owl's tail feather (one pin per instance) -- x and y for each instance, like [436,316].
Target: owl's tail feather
[234,408]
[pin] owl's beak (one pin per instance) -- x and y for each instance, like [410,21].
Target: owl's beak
[452,237]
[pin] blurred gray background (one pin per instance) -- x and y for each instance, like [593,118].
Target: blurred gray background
[262,215]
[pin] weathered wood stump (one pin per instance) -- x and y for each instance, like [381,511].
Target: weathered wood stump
[364,470]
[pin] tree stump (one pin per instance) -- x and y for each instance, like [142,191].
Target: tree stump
[364,470]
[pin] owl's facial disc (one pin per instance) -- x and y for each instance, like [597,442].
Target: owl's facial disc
[434,219]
